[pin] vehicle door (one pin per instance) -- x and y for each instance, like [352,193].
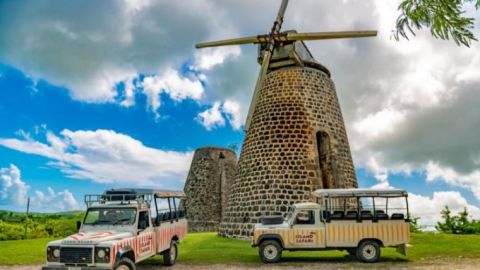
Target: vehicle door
[307,230]
[145,236]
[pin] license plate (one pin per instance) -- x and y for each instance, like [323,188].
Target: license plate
[74,268]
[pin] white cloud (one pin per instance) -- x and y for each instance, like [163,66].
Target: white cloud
[428,208]
[211,118]
[174,85]
[129,98]
[214,117]
[107,157]
[471,181]
[234,114]
[379,123]
[91,49]
[14,193]
[54,201]
[207,58]
[13,189]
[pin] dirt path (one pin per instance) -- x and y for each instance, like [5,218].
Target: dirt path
[457,264]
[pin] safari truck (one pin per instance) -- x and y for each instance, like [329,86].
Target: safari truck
[360,221]
[118,231]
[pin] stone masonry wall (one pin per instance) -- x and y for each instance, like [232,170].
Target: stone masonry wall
[208,182]
[280,164]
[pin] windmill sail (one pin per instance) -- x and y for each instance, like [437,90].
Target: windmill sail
[266,61]
[227,42]
[329,35]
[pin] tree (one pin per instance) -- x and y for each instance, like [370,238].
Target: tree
[458,224]
[414,226]
[447,226]
[445,18]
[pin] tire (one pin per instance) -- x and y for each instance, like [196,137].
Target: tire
[368,251]
[352,251]
[270,251]
[170,255]
[125,264]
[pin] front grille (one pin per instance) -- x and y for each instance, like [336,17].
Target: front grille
[78,255]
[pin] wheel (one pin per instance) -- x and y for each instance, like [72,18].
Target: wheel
[352,251]
[170,255]
[125,264]
[270,251]
[368,251]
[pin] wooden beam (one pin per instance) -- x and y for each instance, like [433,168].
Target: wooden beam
[330,35]
[228,42]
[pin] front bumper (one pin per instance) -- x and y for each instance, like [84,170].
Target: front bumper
[74,267]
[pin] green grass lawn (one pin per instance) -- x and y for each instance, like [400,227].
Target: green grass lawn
[207,248]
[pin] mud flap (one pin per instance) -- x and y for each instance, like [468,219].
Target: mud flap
[402,249]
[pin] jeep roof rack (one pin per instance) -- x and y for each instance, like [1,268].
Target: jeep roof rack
[129,195]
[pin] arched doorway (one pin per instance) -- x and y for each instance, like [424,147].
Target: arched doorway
[324,159]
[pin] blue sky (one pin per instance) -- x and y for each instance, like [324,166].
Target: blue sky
[34,108]
[123,98]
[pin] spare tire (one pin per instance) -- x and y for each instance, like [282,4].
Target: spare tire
[272,220]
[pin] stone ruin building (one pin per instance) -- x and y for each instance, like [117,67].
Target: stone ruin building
[207,185]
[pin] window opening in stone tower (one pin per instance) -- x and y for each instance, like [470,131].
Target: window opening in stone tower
[323,151]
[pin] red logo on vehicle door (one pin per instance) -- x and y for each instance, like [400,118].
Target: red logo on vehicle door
[304,238]
[146,243]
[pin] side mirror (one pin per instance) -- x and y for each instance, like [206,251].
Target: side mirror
[79,224]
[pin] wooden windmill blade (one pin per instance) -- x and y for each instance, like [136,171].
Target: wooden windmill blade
[263,71]
[229,42]
[328,35]
[267,55]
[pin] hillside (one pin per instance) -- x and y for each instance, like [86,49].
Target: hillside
[39,225]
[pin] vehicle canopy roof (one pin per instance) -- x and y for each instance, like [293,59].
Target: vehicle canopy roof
[359,192]
[307,205]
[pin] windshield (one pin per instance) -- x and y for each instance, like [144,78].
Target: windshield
[110,216]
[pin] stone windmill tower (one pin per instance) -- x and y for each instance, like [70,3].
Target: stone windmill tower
[207,187]
[295,139]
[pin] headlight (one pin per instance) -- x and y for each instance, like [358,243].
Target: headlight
[53,254]
[102,254]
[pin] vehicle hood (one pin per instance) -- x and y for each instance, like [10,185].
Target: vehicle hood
[92,238]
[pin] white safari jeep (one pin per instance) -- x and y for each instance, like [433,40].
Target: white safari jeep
[118,232]
[355,220]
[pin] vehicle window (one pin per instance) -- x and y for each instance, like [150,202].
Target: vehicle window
[397,208]
[143,220]
[305,217]
[110,216]
[366,204]
[169,209]
[163,211]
